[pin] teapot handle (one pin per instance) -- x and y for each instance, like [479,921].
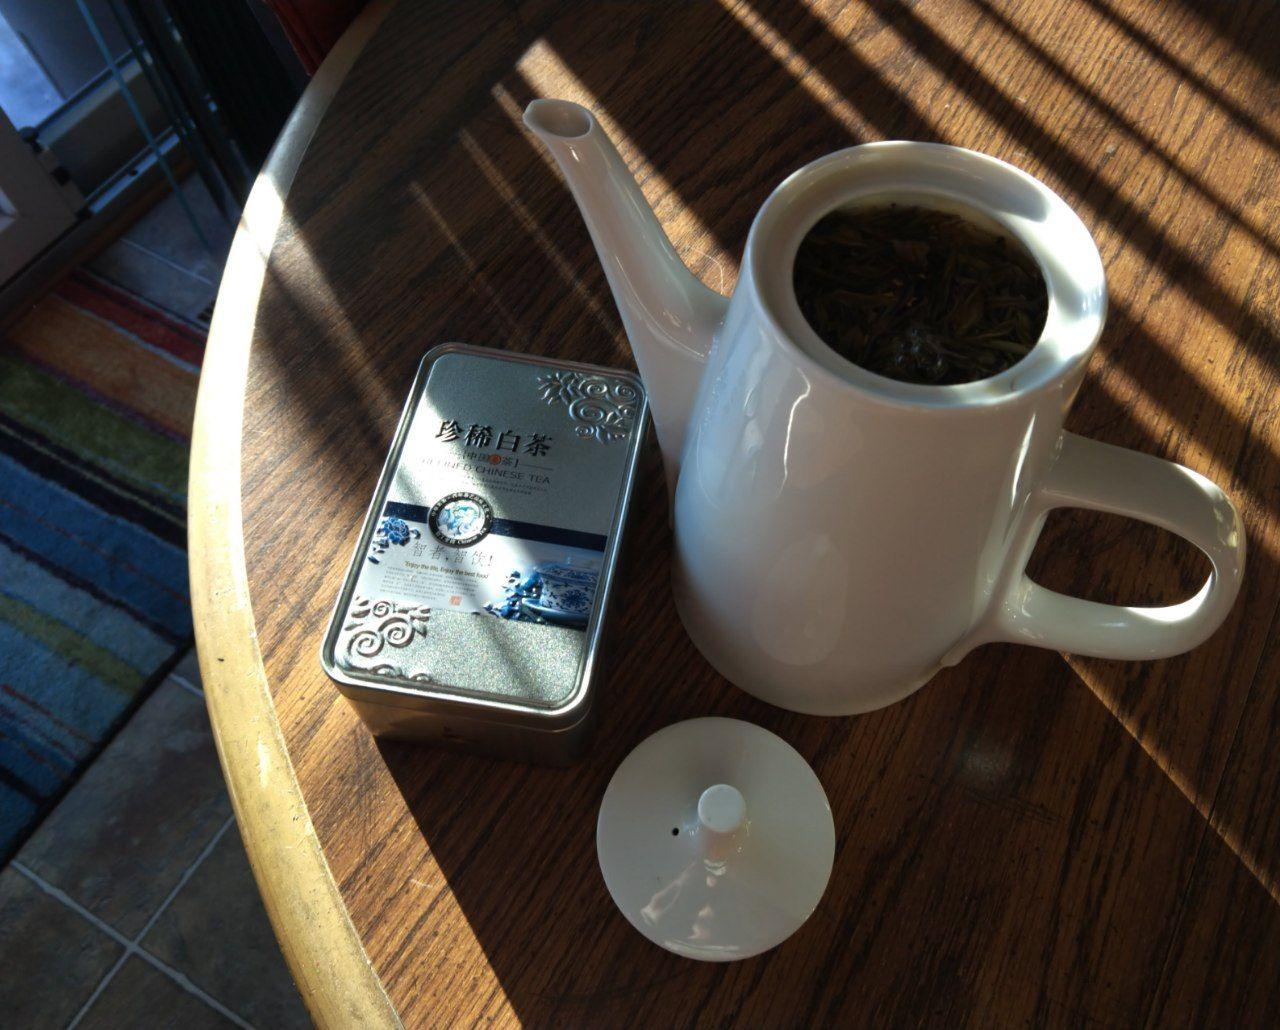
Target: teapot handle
[1101,477]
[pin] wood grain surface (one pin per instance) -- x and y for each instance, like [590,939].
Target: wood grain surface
[1032,838]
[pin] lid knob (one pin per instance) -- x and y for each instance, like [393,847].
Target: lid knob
[722,809]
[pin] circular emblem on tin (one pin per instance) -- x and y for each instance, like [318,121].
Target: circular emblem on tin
[461,519]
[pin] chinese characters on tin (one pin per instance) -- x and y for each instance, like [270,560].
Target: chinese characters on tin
[534,444]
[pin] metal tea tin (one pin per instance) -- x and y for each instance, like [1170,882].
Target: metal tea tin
[473,610]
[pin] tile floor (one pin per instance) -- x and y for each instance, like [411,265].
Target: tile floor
[133,904]
[162,257]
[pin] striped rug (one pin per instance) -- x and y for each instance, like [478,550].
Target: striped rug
[97,390]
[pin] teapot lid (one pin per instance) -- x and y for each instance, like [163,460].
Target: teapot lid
[715,839]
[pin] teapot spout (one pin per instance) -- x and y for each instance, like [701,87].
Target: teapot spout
[669,315]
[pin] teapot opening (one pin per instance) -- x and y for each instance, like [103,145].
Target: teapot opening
[919,288]
[560,118]
[991,194]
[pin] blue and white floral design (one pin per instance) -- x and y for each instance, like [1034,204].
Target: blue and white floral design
[392,531]
[574,600]
[551,592]
[519,588]
[461,518]
[396,530]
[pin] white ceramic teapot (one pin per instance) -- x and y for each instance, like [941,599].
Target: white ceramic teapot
[841,536]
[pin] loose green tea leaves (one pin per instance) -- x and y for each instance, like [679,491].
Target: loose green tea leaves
[918,295]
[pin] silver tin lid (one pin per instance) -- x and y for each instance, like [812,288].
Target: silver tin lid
[482,575]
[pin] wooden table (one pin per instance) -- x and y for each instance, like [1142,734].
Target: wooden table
[1031,839]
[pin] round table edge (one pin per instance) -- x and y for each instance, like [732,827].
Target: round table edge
[321,945]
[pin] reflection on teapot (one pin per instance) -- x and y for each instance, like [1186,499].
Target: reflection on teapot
[841,536]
